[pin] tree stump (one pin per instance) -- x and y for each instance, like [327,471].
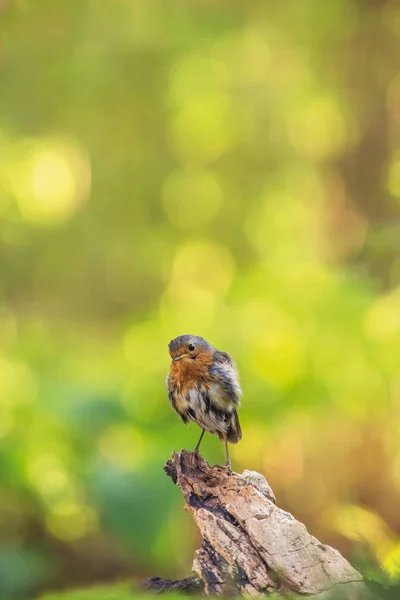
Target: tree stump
[250,545]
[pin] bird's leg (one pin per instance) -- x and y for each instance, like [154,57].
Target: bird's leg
[228,462]
[196,450]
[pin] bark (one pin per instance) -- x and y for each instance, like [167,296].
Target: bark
[250,545]
[189,586]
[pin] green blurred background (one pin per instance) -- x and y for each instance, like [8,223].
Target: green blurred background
[228,169]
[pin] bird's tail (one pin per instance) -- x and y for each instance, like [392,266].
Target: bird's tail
[234,433]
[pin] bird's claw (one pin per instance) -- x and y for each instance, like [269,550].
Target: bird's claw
[227,466]
[196,455]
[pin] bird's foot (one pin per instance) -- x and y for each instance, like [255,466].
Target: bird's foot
[227,466]
[196,455]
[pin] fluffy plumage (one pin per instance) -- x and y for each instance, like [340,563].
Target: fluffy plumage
[203,387]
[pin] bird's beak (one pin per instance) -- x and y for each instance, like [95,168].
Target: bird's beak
[178,357]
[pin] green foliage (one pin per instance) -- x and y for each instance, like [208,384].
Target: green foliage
[224,169]
[120,592]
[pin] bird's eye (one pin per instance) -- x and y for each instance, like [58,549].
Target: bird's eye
[191,347]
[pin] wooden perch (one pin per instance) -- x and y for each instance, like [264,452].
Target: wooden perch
[250,545]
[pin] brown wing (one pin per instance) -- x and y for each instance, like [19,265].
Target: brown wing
[234,431]
[222,357]
[224,373]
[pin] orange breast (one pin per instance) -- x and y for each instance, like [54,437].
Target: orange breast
[187,372]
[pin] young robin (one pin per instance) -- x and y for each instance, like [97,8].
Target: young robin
[203,387]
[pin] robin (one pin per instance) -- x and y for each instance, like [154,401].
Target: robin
[203,387]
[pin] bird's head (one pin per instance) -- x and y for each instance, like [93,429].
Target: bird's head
[190,347]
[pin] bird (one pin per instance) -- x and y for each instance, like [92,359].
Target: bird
[203,387]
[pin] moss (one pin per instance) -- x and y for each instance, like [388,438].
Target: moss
[116,592]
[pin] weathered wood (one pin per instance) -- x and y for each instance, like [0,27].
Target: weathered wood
[189,586]
[250,545]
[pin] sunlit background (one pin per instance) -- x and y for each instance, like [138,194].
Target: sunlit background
[228,169]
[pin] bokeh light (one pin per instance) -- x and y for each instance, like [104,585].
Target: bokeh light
[50,180]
